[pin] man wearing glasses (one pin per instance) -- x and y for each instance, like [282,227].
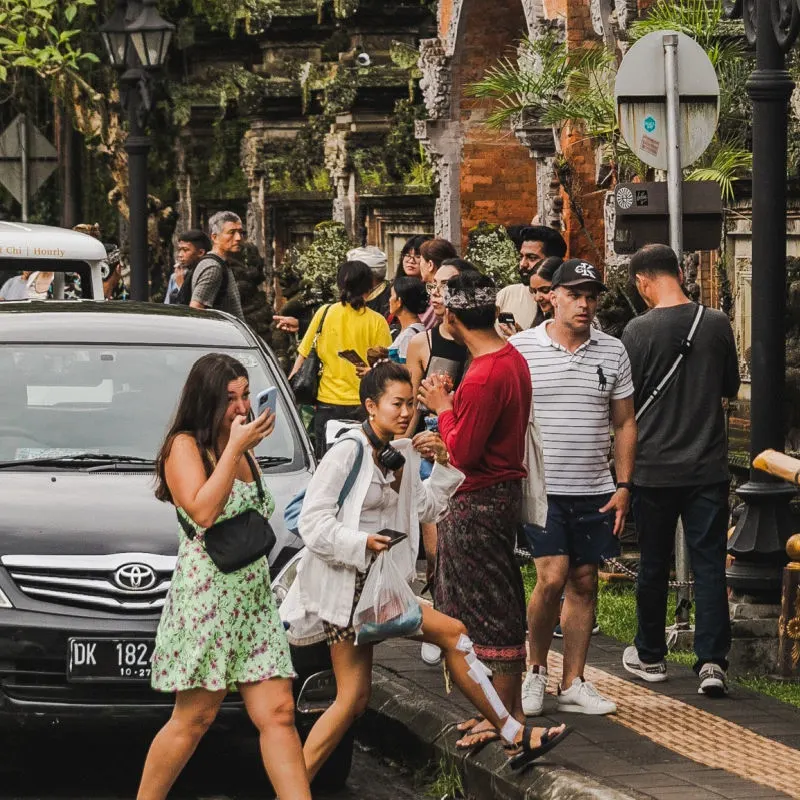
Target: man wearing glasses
[213,284]
[524,300]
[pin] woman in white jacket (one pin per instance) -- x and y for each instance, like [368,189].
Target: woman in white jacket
[341,544]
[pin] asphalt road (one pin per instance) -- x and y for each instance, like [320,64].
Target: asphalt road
[78,765]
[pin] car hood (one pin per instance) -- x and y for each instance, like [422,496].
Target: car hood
[91,513]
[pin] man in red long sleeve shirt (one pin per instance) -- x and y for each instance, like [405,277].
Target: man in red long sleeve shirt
[477,579]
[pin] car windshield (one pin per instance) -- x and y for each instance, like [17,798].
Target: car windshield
[62,401]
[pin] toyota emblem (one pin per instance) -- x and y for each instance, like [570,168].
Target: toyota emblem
[135,577]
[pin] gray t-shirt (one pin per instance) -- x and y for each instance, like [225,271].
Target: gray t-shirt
[207,283]
[682,435]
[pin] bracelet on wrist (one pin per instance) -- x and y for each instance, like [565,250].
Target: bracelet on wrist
[625,485]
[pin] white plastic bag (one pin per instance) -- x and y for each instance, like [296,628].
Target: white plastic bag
[388,608]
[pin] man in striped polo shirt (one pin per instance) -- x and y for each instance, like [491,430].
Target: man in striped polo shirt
[581,378]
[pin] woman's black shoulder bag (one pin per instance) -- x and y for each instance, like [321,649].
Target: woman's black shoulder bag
[305,383]
[240,540]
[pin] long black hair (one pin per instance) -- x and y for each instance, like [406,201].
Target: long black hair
[411,293]
[200,413]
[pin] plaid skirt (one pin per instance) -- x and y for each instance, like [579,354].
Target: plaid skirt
[335,633]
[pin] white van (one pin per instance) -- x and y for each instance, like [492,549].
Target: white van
[25,247]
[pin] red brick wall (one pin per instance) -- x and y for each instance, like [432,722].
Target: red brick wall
[498,176]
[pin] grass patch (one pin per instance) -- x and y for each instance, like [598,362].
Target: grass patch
[447,783]
[616,606]
[787,691]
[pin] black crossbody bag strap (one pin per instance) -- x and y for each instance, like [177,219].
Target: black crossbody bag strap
[666,381]
[190,531]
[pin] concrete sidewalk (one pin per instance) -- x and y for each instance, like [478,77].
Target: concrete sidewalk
[666,741]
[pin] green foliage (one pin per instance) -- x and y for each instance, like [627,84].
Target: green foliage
[787,691]
[39,35]
[728,162]
[254,15]
[217,86]
[490,249]
[316,266]
[447,784]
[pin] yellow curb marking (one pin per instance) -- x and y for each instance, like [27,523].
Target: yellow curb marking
[693,733]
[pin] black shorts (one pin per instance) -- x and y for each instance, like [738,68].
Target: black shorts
[575,528]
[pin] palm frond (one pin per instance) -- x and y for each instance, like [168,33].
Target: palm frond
[728,161]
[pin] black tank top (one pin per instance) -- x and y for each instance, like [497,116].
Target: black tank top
[447,348]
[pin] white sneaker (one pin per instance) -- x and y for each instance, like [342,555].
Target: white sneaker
[652,673]
[533,689]
[431,654]
[583,698]
[713,681]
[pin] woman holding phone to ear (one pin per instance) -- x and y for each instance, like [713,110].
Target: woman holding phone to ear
[219,631]
[341,543]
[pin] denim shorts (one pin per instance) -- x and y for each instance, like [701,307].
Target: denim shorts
[575,528]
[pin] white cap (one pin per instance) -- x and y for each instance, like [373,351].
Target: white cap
[372,256]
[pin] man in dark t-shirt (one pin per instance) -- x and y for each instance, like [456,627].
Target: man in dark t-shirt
[681,465]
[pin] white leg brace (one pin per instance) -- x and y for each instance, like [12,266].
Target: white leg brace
[478,674]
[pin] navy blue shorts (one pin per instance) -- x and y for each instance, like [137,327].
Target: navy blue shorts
[575,528]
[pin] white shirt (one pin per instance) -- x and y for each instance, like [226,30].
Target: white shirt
[520,301]
[380,503]
[336,539]
[403,339]
[572,393]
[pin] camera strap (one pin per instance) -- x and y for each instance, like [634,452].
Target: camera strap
[683,352]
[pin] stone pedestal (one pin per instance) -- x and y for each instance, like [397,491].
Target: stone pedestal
[754,648]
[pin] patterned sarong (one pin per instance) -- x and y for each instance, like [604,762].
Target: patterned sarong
[477,579]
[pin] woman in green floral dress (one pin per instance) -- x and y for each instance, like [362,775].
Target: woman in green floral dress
[219,632]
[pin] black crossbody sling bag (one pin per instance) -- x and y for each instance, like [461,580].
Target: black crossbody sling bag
[683,352]
[239,541]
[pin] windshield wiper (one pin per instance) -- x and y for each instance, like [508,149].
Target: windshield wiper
[272,461]
[76,458]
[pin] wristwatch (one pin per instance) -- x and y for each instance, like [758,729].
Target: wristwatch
[625,485]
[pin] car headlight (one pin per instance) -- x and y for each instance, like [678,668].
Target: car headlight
[4,601]
[285,578]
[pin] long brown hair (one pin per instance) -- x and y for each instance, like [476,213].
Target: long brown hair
[200,413]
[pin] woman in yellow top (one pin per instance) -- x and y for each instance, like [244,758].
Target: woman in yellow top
[347,325]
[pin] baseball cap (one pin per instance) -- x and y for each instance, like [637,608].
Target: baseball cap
[577,272]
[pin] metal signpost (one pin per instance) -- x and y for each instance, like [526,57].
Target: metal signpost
[667,98]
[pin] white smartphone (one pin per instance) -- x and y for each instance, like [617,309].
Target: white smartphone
[268,399]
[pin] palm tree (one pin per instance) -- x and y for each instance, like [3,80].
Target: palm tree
[575,88]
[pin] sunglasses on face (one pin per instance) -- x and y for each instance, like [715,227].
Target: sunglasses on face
[435,288]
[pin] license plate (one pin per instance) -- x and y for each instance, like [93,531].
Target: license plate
[109,659]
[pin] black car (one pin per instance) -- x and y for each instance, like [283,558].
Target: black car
[86,551]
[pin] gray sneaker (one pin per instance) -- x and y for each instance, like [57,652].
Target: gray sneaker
[713,681]
[652,673]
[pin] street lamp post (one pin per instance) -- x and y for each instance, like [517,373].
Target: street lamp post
[759,540]
[137,39]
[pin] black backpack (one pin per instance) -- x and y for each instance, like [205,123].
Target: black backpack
[184,296]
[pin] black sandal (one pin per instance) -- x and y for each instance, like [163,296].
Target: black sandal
[530,754]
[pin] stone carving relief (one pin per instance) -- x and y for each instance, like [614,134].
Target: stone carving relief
[339,165]
[534,13]
[436,81]
[444,151]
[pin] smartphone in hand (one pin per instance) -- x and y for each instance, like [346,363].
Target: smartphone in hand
[353,357]
[395,536]
[506,318]
[268,399]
